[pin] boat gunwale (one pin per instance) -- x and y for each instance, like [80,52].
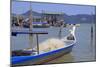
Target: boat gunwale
[27,58]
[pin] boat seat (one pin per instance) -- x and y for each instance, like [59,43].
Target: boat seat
[22,53]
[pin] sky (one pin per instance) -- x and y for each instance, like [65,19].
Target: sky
[19,7]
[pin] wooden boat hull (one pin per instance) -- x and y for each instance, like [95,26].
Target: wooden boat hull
[41,58]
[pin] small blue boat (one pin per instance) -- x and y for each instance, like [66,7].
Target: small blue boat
[42,58]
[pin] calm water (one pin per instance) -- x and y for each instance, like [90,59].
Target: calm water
[84,50]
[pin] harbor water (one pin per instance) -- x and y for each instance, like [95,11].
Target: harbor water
[84,49]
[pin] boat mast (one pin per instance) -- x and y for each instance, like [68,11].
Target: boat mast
[30,18]
[30,28]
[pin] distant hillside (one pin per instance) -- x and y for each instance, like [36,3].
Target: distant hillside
[34,14]
[80,18]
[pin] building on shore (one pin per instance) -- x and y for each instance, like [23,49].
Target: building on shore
[44,19]
[53,18]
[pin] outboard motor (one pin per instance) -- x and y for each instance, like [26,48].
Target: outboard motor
[71,36]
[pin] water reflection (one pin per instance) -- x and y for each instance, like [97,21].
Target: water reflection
[63,59]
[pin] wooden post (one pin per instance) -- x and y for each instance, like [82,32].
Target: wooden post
[91,38]
[92,32]
[61,26]
[37,44]
[18,20]
[60,32]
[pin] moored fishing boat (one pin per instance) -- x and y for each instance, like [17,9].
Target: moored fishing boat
[33,57]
